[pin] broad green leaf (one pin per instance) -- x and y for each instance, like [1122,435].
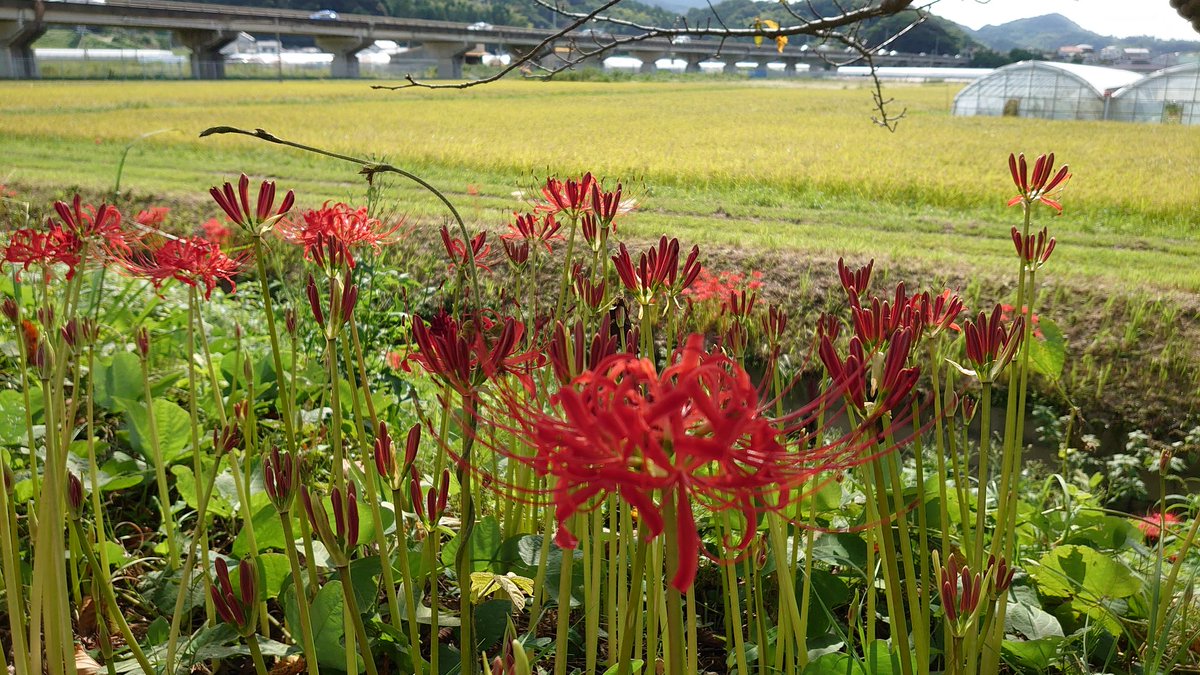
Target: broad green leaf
[327,624]
[881,660]
[834,664]
[1070,571]
[275,573]
[485,545]
[1048,354]
[174,429]
[185,484]
[12,418]
[268,532]
[1035,655]
[1031,621]
[841,548]
[118,381]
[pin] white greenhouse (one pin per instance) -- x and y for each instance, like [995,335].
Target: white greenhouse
[1050,90]
[1169,96]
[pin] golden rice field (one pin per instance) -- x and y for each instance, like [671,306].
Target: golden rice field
[774,164]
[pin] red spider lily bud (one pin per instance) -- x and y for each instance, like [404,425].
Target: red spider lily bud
[969,405]
[517,251]
[937,313]
[226,439]
[846,375]
[735,339]
[236,204]
[10,310]
[279,478]
[70,333]
[741,303]
[1000,573]
[606,205]
[591,293]
[42,359]
[239,612]
[45,316]
[247,372]
[571,196]
[1034,249]
[411,444]
[414,494]
[1164,460]
[314,301]
[8,477]
[959,591]
[898,381]
[856,281]
[571,354]
[876,325]
[1039,187]
[142,340]
[75,496]
[385,459]
[443,496]
[289,320]
[774,324]
[349,299]
[691,268]
[990,347]
[340,542]
[591,229]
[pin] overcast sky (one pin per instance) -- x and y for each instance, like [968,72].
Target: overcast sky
[1120,18]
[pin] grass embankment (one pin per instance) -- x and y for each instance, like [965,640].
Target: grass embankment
[791,176]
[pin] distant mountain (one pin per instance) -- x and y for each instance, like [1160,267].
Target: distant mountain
[1049,32]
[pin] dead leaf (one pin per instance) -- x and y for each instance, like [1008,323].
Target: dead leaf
[85,664]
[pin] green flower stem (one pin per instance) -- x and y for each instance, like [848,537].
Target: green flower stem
[563,607]
[633,608]
[463,562]
[791,626]
[935,380]
[615,577]
[960,479]
[109,601]
[14,595]
[975,554]
[916,605]
[734,614]
[248,526]
[539,584]
[566,277]
[592,571]
[302,602]
[370,481]
[160,471]
[428,574]
[260,667]
[674,647]
[410,591]
[285,406]
[655,606]
[894,591]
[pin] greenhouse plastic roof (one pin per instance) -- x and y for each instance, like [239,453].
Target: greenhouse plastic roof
[1099,78]
[1158,74]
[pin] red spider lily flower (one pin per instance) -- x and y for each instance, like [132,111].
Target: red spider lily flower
[570,197]
[855,281]
[876,324]
[152,217]
[457,252]
[1153,524]
[236,205]
[330,234]
[193,261]
[29,247]
[533,229]
[657,270]
[692,433]
[937,313]
[990,345]
[343,540]
[572,354]
[1039,187]
[239,612]
[467,356]
[608,205]
[85,224]
[1034,249]
[214,231]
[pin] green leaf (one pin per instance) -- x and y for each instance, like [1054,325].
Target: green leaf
[12,418]
[118,381]
[836,663]
[1036,655]
[1070,571]
[881,660]
[275,573]
[841,548]
[327,624]
[268,532]
[185,484]
[491,620]
[174,429]
[485,545]
[1048,354]
[1031,621]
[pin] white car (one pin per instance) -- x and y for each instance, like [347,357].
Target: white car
[480,25]
[324,15]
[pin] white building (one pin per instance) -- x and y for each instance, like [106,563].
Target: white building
[1169,96]
[1045,89]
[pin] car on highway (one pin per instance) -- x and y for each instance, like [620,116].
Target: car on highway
[480,25]
[324,15]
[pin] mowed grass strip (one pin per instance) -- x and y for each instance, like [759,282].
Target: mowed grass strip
[745,164]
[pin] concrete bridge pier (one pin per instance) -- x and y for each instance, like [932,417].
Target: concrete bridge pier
[208,63]
[16,49]
[648,59]
[790,67]
[693,64]
[730,66]
[345,54]
[450,58]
